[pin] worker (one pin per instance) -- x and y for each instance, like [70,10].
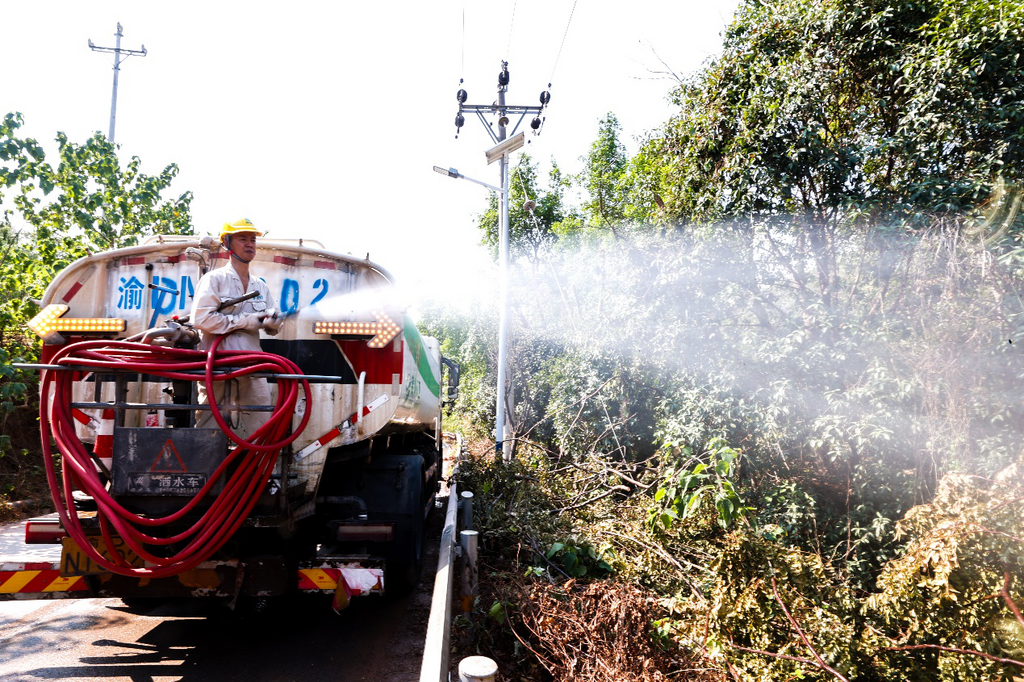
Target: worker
[240,325]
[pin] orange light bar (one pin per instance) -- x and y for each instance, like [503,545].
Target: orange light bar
[382,330]
[50,320]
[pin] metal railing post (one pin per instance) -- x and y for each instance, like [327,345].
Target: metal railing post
[477,669]
[470,574]
[466,510]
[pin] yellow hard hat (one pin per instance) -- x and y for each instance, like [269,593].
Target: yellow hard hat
[236,226]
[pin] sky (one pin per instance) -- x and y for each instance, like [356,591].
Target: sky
[324,120]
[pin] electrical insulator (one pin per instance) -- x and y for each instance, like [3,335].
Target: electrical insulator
[462,96]
[460,120]
[545,97]
[503,76]
[535,123]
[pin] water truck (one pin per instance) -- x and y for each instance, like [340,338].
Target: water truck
[329,496]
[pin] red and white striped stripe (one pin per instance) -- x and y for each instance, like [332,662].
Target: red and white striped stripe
[336,431]
[84,419]
[104,447]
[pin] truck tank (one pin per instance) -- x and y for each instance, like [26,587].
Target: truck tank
[348,495]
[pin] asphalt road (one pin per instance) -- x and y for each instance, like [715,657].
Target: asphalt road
[378,639]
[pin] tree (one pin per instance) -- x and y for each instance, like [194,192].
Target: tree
[87,203]
[838,110]
[604,177]
[52,216]
[88,196]
[535,214]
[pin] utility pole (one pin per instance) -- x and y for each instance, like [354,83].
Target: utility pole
[117,51]
[500,418]
[504,146]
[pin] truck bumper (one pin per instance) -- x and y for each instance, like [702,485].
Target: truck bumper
[260,577]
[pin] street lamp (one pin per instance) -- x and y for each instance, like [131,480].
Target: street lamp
[453,173]
[492,155]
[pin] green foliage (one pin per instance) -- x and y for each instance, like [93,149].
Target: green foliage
[754,582]
[818,261]
[685,490]
[847,414]
[953,584]
[497,612]
[531,229]
[472,347]
[55,214]
[604,177]
[832,110]
[580,560]
[87,203]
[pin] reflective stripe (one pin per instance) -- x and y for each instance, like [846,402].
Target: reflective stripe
[319,578]
[71,292]
[36,581]
[14,582]
[83,419]
[104,447]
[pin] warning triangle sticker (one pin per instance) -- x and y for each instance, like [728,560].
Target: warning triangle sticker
[168,460]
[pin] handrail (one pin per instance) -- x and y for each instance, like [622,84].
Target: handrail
[311,378]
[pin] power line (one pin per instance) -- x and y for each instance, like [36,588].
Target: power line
[511,24]
[567,24]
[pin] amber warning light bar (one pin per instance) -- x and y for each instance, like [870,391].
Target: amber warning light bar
[51,320]
[381,331]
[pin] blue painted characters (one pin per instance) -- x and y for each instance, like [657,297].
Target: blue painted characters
[168,298]
[289,296]
[131,294]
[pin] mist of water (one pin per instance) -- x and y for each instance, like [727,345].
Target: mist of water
[880,344]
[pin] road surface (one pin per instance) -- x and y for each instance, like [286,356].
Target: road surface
[379,639]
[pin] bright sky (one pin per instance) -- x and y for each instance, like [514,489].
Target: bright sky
[323,120]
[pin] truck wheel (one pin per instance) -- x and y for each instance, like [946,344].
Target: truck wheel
[403,576]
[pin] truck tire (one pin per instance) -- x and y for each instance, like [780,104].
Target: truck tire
[393,489]
[403,574]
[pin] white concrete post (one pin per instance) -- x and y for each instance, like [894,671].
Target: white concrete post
[478,669]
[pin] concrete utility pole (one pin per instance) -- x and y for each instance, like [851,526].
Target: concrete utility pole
[500,418]
[504,146]
[117,51]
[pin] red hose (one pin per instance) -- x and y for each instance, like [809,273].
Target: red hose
[254,458]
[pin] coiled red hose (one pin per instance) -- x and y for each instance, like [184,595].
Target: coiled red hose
[254,459]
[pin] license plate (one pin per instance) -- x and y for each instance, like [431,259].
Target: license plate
[73,561]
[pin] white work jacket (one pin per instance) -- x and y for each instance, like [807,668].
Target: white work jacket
[241,327]
[237,321]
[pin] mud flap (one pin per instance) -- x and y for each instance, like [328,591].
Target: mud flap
[342,595]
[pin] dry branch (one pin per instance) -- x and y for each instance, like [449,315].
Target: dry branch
[803,637]
[954,650]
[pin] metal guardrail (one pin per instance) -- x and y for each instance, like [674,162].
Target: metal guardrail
[435,665]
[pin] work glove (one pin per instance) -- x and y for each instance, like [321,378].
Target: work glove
[272,320]
[251,322]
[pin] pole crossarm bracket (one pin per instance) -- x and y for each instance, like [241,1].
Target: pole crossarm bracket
[119,52]
[495,108]
[482,109]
